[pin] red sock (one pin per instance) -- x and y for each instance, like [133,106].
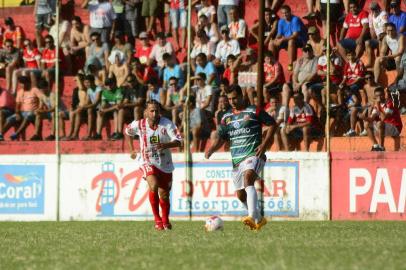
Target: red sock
[154,201]
[165,206]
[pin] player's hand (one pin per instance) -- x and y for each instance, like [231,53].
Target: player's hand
[208,154]
[133,154]
[159,146]
[260,151]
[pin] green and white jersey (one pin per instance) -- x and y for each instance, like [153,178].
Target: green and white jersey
[244,130]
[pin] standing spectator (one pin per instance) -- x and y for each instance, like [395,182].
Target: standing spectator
[291,35]
[270,27]
[210,28]
[97,54]
[79,40]
[132,19]
[377,21]
[226,47]
[9,61]
[134,96]
[397,17]
[143,52]
[119,69]
[383,119]
[150,10]
[207,9]
[335,13]
[315,40]
[172,70]
[7,105]
[223,9]
[354,71]
[203,45]
[155,92]
[281,114]
[13,32]
[178,17]
[93,100]
[32,63]
[302,123]
[157,52]
[27,102]
[111,99]
[102,18]
[238,27]
[311,14]
[63,39]
[393,43]
[118,7]
[304,74]
[354,31]
[43,10]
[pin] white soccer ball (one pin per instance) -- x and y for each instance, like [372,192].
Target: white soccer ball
[214,223]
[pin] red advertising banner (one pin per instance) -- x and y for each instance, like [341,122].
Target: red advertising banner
[368,186]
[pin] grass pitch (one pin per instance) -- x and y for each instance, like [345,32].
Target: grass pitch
[135,245]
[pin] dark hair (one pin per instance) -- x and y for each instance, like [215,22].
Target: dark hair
[391,25]
[166,56]
[192,100]
[231,57]
[202,76]
[268,54]
[225,81]
[42,84]
[152,81]
[235,88]
[89,77]
[370,73]
[354,2]
[51,38]
[77,18]
[286,7]
[95,34]
[153,102]
[161,35]
[203,16]
[202,55]
[349,52]
[173,78]
[267,10]
[109,81]
[9,40]
[379,89]
[299,94]
[24,79]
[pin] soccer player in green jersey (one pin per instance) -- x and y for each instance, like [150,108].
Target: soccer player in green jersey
[242,126]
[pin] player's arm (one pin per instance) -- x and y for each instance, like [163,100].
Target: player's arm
[217,143]
[176,139]
[266,119]
[130,131]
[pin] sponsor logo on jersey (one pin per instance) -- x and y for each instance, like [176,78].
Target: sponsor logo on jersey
[154,139]
[236,124]
[240,131]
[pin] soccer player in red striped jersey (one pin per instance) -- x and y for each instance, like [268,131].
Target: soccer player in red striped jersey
[157,135]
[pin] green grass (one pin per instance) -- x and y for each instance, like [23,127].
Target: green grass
[135,245]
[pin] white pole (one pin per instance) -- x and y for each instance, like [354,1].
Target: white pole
[57,150]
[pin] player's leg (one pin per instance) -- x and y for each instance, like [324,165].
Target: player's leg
[152,181]
[252,199]
[164,187]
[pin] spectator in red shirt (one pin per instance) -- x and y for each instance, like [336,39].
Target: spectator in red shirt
[273,73]
[13,32]
[383,119]
[142,73]
[143,52]
[231,73]
[302,123]
[32,63]
[355,30]
[353,73]
[49,59]
[7,105]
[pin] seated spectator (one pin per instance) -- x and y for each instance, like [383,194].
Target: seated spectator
[13,32]
[79,39]
[93,99]
[102,18]
[7,105]
[354,31]
[383,119]
[48,60]
[231,72]
[206,8]
[155,92]
[291,35]
[280,113]
[143,52]
[400,82]
[122,46]
[302,123]
[225,47]
[178,17]
[352,107]
[238,27]
[77,114]
[353,73]
[157,52]
[203,45]
[273,74]
[43,11]
[204,95]
[304,75]
[393,47]
[9,61]
[142,73]
[63,39]
[172,70]
[270,27]
[208,68]
[246,62]
[32,63]
[118,69]
[223,9]
[377,20]
[111,99]
[97,53]
[134,95]
[397,17]
[368,91]
[174,102]
[27,102]
[210,28]
[315,40]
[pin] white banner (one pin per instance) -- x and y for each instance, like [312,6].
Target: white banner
[95,187]
[28,188]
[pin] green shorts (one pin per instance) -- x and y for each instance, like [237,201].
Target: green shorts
[150,8]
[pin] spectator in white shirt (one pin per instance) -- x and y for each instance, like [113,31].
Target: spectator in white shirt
[102,18]
[203,45]
[237,26]
[205,8]
[226,47]
[223,9]
[377,20]
[157,52]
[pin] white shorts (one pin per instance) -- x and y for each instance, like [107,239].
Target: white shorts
[390,130]
[252,163]
[178,18]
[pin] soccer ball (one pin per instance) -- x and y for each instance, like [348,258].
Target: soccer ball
[214,223]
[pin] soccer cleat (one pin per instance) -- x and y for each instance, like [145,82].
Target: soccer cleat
[167,226]
[159,226]
[249,222]
[261,224]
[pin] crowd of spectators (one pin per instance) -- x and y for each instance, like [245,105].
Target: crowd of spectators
[126,56]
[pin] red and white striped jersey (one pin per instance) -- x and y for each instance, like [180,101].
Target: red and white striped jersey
[30,58]
[149,137]
[353,71]
[301,115]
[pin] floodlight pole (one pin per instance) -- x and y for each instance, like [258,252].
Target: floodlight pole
[56,117]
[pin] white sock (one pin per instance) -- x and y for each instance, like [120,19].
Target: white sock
[252,202]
